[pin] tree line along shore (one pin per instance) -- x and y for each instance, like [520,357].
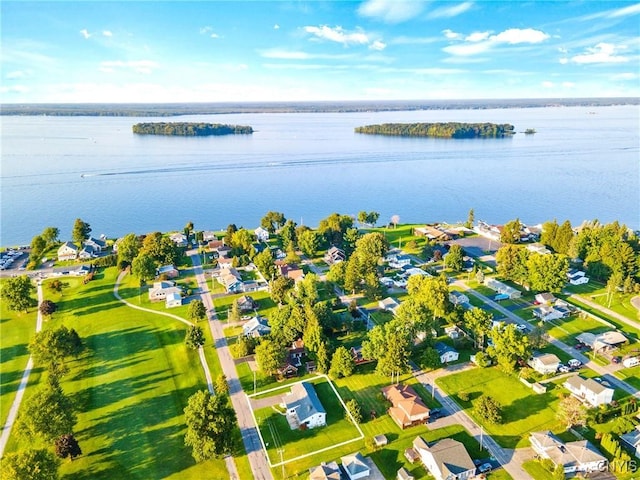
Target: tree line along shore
[190,129]
[440,130]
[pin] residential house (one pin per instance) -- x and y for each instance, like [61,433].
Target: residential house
[407,408]
[209,236]
[67,251]
[334,255]
[289,270]
[296,352]
[169,271]
[545,298]
[358,358]
[446,459]
[589,391]
[303,407]
[416,271]
[547,313]
[325,471]
[399,260]
[447,353]
[256,327]
[87,253]
[432,233]
[389,304]
[179,238]
[225,262]
[98,244]
[545,364]
[231,280]
[246,304]
[579,456]
[223,251]
[215,244]
[632,439]
[287,370]
[500,287]
[355,466]
[261,234]
[538,248]
[173,299]
[452,331]
[403,474]
[604,342]
[160,290]
[458,298]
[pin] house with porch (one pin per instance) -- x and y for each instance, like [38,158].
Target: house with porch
[446,459]
[67,251]
[303,407]
[574,457]
[98,244]
[334,255]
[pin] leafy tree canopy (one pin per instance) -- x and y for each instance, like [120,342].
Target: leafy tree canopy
[210,422]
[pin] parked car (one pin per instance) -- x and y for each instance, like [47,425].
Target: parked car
[564,369]
[436,413]
[484,468]
[616,359]
[574,363]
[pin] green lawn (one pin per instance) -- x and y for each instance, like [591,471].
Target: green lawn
[567,329]
[630,331]
[523,410]
[265,304]
[630,375]
[17,330]
[537,471]
[130,388]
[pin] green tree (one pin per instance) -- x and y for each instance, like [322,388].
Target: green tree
[288,235]
[67,446]
[210,423]
[471,217]
[38,246]
[32,464]
[307,289]
[571,412]
[564,236]
[313,335]
[51,347]
[196,311]
[488,409]
[128,248]
[47,413]
[337,273]
[455,258]
[269,356]
[322,357]
[512,263]
[160,248]
[264,262]
[430,359]
[194,337]
[334,227]
[482,360]
[143,267]
[396,349]
[548,273]
[17,293]
[538,337]
[272,220]
[242,241]
[511,232]
[234,313]
[549,234]
[309,242]
[279,288]
[509,345]
[50,235]
[479,322]
[221,387]
[342,363]
[354,410]
[80,232]
[47,308]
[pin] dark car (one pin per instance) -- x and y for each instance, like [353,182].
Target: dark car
[616,359]
[435,413]
[484,468]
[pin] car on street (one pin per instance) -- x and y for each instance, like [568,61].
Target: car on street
[574,363]
[484,468]
[616,359]
[564,369]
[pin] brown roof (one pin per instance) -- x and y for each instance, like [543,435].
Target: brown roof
[407,405]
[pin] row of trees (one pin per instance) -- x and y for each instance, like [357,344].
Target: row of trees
[440,130]
[532,270]
[189,129]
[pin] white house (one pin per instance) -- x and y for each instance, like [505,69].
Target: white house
[355,466]
[538,248]
[589,391]
[446,459]
[334,255]
[399,260]
[458,298]
[547,313]
[179,238]
[389,304]
[261,234]
[97,244]
[174,299]
[545,364]
[161,290]
[605,341]
[577,277]
[545,298]
[579,456]
[633,440]
[256,327]
[447,353]
[209,236]
[325,471]
[500,287]
[87,253]
[67,251]
[303,406]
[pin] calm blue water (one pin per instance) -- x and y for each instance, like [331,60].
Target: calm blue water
[581,164]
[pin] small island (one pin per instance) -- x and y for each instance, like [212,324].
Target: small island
[190,129]
[440,130]
[530,131]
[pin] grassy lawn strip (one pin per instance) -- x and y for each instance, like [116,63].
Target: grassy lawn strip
[536,470]
[566,330]
[277,434]
[523,410]
[129,387]
[627,329]
[17,330]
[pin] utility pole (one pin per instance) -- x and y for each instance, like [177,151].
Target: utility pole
[481,434]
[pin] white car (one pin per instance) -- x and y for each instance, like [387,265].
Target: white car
[574,363]
[564,369]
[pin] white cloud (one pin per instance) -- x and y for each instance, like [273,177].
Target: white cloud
[477,36]
[85,33]
[378,45]
[625,76]
[391,11]
[480,42]
[564,61]
[451,35]
[276,27]
[285,54]
[568,84]
[614,13]
[338,34]
[107,33]
[601,53]
[548,84]
[205,30]
[15,74]
[451,11]
[138,66]
[214,35]
[14,89]
[403,40]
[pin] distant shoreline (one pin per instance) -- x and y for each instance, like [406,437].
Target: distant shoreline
[220,108]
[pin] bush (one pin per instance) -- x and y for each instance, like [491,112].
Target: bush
[463,396]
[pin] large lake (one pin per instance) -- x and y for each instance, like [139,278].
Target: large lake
[583,163]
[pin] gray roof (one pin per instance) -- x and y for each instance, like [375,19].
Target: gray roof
[633,437]
[451,457]
[304,400]
[443,348]
[589,384]
[354,464]
[547,358]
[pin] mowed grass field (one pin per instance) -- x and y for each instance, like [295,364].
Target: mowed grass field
[16,328]
[523,410]
[129,387]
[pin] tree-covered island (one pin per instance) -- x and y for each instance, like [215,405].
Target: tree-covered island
[190,129]
[440,130]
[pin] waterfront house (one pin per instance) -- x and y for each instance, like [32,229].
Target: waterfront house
[179,238]
[67,251]
[325,471]
[169,271]
[446,459]
[546,363]
[303,407]
[355,466]
[209,236]
[589,391]
[579,456]
[407,408]
[87,253]
[261,234]
[432,233]
[447,353]
[97,244]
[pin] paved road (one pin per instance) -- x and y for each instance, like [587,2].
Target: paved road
[606,371]
[15,406]
[255,453]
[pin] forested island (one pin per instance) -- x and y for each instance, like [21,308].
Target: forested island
[440,130]
[189,129]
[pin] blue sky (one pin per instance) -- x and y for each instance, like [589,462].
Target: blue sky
[206,51]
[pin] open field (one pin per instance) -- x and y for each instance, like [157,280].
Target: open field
[130,388]
[523,410]
[17,330]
